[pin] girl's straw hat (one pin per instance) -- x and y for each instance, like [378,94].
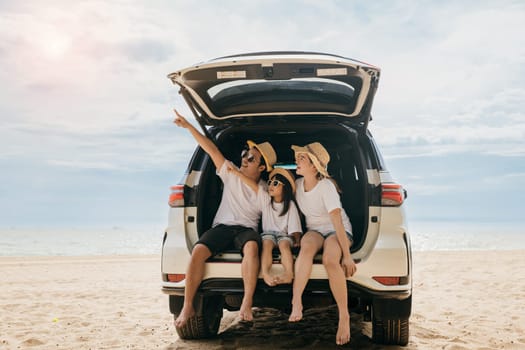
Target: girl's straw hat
[287,175]
[318,155]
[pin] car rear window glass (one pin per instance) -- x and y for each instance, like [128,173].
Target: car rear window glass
[271,87]
[252,95]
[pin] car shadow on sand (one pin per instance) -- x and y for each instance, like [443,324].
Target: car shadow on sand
[271,330]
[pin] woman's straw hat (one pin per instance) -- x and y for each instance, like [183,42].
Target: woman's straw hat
[287,175]
[266,151]
[317,154]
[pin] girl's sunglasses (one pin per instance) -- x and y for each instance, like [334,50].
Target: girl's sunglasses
[246,154]
[274,183]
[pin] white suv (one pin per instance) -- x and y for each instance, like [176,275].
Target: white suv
[291,98]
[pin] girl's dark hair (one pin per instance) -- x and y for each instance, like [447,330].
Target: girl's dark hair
[287,193]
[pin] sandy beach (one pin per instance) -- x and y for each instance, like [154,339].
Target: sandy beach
[462,300]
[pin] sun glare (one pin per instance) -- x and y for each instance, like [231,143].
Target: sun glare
[54,44]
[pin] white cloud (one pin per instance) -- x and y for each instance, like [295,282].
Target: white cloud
[112,70]
[452,73]
[468,54]
[149,147]
[509,179]
[493,124]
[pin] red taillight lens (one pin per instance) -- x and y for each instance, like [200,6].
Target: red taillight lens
[392,195]
[176,277]
[177,196]
[387,281]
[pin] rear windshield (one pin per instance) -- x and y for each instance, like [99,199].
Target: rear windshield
[292,95]
[269,88]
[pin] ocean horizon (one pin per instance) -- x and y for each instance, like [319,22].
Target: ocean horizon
[147,239]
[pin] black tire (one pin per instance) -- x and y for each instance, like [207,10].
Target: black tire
[390,332]
[206,321]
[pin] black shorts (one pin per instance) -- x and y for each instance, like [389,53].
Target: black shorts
[224,237]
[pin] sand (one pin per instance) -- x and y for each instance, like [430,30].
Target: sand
[462,300]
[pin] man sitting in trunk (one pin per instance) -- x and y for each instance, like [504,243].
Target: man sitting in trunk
[234,225]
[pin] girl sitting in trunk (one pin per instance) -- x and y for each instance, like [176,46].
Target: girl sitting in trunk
[328,228]
[280,222]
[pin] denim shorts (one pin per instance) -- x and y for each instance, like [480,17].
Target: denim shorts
[276,237]
[328,234]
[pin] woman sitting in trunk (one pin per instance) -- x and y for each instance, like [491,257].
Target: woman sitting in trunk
[328,227]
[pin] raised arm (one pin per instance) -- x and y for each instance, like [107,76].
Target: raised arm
[247,180]
[207,145]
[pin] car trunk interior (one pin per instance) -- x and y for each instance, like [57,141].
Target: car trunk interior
[346,165]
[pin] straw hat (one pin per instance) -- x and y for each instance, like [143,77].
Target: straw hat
[318,155]
[287,175]
[267,153]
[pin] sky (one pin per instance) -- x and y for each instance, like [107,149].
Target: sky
[86,133]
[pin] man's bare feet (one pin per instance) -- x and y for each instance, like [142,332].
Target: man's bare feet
[297,313]
[284,278]
[185,314]
[343,331]
[245,312]
[269,279]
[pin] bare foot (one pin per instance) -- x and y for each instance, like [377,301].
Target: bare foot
[245,312]
[297,313]
[268,279]
[343,331]
[185,314]
[285,278]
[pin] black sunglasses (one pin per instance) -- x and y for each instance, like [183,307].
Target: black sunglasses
[274,183]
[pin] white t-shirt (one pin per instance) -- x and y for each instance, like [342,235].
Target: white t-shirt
[271,219]
[317,203]
[239,204]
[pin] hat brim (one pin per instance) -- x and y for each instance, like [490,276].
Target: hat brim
[252,144]
[313,158]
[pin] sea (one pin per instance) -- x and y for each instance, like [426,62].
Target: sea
[424,236]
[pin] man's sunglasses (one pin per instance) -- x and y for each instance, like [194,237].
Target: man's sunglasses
[274,183]
[249,157]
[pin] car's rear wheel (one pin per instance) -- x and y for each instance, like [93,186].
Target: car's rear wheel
[206,321]
[390,332]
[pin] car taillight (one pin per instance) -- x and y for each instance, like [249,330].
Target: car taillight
[176,277]
[392,195]
[387,281]
[176,196]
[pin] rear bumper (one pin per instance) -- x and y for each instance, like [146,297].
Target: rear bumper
[385,304]
[226,286]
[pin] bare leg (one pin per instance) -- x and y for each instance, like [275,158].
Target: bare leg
[266,262]
[310,245]
[250,271]
[336,277]
[194,276]
[287,261]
